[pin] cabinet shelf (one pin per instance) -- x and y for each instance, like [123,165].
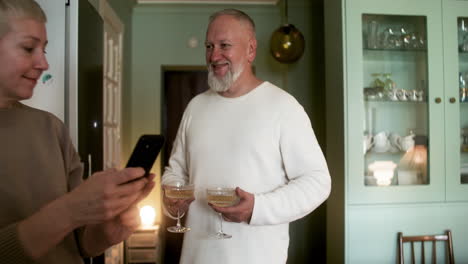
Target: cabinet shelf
[372,153]
[395,50]
[384,101]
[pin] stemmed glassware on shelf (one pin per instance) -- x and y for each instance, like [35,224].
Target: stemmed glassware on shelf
[222,197]
[373,35]
[178,191]
[382,35]
[463,35]
[389,84]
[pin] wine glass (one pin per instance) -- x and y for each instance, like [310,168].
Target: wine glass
[222,197]
[179,191]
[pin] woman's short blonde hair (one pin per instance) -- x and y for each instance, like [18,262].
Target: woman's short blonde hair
[19,9]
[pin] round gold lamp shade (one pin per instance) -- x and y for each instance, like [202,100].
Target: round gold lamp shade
[287,44]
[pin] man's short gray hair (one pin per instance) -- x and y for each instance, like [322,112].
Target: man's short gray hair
[19,9]
[239,15]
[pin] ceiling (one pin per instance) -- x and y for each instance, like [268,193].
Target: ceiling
[237,2]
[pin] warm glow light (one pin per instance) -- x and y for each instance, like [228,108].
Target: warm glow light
[147,215]
[383,172]
[420,155]
[415,159]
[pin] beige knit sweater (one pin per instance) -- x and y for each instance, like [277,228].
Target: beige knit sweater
[38,164]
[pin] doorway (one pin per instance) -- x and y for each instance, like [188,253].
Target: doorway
[180,85]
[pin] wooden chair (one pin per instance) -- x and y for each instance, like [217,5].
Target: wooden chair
[447,237]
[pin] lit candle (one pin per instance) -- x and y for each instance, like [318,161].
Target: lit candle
[147,215]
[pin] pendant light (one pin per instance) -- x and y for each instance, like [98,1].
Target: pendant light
[287,42]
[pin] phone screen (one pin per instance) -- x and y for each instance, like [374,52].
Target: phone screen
[145,152]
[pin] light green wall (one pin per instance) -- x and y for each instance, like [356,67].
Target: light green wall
[306,77]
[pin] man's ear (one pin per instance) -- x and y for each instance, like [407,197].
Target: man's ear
[252,53]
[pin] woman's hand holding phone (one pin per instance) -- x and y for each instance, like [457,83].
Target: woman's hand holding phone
[106,194]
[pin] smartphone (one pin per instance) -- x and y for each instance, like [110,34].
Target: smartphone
[145,152]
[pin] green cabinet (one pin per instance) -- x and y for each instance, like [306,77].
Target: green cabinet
[397,126]
[455,27]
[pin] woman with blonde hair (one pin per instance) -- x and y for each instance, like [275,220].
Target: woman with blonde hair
[47,214]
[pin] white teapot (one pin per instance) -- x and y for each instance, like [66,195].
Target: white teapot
[407,142]
[381,142]
[395,142]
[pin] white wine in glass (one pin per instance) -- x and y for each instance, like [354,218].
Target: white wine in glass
[179,192]
[222,197]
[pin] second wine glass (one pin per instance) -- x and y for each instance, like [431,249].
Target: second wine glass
[179,192]
[222,197]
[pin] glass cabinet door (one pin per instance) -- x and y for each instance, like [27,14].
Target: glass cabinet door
[463,87]
[456,85]
[395,136]
[395,74]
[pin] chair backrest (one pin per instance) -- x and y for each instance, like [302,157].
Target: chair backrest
[447,238]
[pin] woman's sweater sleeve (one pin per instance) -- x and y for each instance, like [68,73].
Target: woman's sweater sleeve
[11,249]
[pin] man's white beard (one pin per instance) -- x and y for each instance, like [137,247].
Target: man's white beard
[223,84]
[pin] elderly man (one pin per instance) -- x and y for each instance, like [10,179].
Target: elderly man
[249,134]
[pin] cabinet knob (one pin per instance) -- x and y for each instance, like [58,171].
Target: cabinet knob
[452,100]
[438,100]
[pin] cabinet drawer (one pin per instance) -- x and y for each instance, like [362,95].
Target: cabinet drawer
[142,240]
[141,256]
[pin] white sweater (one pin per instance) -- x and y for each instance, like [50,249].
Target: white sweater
[262,142]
